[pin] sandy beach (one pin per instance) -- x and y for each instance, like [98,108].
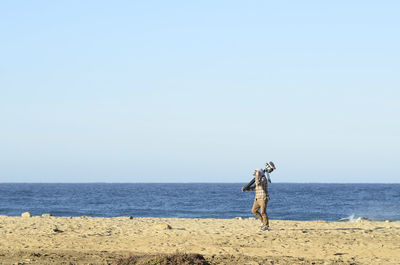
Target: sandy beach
[88,240]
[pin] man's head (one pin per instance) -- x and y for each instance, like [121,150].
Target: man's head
[258,172]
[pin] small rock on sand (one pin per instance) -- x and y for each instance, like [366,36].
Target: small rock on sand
[163,226]
[55,229]
[239,218]
[26,215]
[46,215]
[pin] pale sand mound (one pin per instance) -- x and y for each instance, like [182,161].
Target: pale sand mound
[86,240]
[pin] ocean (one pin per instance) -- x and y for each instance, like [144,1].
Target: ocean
[289,201]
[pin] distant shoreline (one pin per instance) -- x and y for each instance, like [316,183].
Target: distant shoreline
[343,220]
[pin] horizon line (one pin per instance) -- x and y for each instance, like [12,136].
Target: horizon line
[103,182]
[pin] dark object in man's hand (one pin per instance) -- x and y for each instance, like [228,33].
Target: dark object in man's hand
[248,186]
[269,167]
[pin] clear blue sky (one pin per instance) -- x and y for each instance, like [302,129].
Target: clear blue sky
[199,91]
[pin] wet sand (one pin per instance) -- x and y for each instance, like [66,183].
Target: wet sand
[88,240]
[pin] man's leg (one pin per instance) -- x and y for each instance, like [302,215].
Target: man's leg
[263,210]
[255,208]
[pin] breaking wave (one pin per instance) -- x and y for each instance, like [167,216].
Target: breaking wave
[353,218]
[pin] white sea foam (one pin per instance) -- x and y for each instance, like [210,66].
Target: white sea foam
[352,218]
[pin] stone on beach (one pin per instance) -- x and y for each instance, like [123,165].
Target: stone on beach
[163,226]
[46,215]
[26,215]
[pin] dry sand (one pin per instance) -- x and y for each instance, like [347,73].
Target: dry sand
[88,240]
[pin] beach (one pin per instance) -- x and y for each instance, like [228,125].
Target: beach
[96,240]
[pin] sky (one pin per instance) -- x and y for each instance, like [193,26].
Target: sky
[199,91]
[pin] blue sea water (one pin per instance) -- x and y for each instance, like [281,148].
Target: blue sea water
[289,201]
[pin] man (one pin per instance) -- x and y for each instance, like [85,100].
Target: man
[261,199]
